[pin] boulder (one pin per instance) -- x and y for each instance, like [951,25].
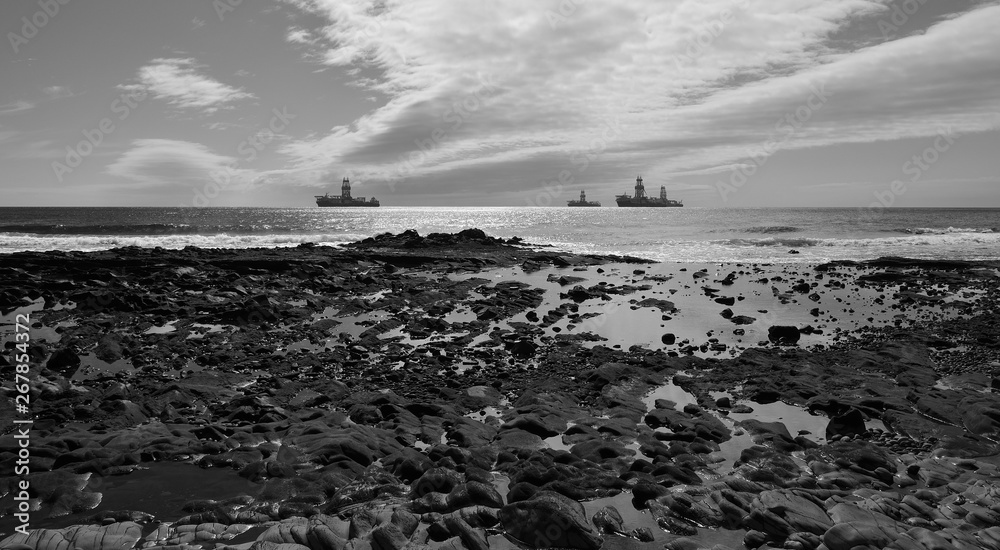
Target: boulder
[548,520]
[609,521]
[849,424]
[783,334]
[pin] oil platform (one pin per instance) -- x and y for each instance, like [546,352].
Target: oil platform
[640,198]
[344,198]
[583,201]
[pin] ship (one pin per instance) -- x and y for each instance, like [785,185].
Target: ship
[344,198]
[583,201]
[640,198]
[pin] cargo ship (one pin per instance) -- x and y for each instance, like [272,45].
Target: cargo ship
[344,198]
[583,201]
[640,198]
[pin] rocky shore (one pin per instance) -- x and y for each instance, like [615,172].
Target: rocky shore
[460,391]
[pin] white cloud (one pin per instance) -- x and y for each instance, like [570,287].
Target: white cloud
[179,82]
[16,107]
[693,84]
[167,162]
[57,92]
[8,135]
[299,36]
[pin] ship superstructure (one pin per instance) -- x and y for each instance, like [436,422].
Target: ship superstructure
[583,201]
[344,198]
[640,198]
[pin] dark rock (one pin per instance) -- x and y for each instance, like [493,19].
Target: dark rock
[388,537]
[608,521]
[849,424]
[65,361]
[472,539]
[550,520]
[783,334]
[645,490]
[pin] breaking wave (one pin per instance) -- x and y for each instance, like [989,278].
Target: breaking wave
[773,241]
[17,243]
[138,229]
[943,230]
[773,229]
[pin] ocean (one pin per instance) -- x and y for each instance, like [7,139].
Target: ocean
[767,235]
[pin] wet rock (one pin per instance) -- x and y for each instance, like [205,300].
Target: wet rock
[783,334]
[773,434]
[599,450]
[523,349]
[542,426]
[116,536]
[436,480]
[663,305]
[799,513]
[472,539]
[550,520]
[474,493]
[645,490]
[65,361]
[388,537]
[981,416]
[608,521]
[849,424]
[855,526]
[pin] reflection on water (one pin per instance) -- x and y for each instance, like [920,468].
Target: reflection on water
[797,419]
[670,392]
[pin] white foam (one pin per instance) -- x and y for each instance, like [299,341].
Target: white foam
[950,243]
[41,243]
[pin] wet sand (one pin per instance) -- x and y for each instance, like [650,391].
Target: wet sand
[458,391]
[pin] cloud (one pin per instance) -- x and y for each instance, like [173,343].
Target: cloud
[16,107]
[57,92]
[8,135]
[166,162]
[694,85]
[179,82]
[299,36]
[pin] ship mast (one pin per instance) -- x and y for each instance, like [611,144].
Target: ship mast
[583,196]
[640,191]
[345,189]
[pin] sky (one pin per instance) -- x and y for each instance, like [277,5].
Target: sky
[725,103]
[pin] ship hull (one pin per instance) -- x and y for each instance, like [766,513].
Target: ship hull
[347,204]
[577,203]
[632,203]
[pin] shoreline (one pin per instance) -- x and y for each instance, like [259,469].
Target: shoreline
[510,372]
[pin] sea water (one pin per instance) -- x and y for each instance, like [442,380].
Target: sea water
[689,234]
